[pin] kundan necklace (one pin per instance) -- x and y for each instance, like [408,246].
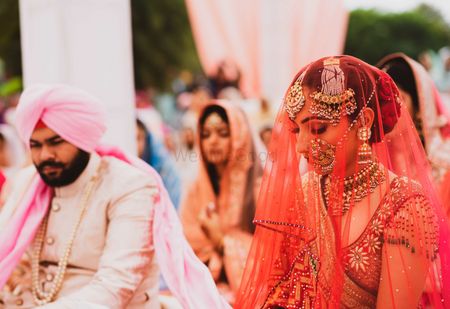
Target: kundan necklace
[41,297]
[355,188]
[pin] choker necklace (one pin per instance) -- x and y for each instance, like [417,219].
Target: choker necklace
[355,188]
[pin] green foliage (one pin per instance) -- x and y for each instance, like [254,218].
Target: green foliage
[11,86]
[372,34]
[10,37]
[162,42]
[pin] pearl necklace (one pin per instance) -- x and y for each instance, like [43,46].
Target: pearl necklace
[41,297]
[355,188]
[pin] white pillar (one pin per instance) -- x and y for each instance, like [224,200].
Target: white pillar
[85,43]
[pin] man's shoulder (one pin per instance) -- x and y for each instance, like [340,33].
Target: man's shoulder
[26,172]
[23,176]
[121,174]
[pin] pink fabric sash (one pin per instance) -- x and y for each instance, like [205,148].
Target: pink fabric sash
[188,278]
[23,226]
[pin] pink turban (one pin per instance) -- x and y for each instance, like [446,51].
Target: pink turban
[74,114]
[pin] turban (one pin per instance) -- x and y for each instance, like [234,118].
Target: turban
[73,114]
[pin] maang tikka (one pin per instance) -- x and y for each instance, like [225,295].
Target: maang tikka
[333,101]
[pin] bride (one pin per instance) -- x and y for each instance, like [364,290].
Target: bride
[360,226]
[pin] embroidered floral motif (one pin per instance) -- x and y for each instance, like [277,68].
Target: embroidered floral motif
[385,211]
[377,226]
[373,243]
[358,258]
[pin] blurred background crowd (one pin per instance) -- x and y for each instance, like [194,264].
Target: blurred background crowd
[172,86]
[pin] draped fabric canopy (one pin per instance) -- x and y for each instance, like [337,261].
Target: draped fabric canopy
[268,40]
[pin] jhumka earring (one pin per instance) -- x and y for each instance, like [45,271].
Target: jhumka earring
[364,150]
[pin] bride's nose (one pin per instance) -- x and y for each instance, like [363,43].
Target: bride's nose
[302,144]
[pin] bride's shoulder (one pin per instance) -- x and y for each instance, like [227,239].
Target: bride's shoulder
[402,187]
[409,210]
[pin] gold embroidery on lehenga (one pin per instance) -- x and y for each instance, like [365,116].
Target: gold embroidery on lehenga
[298,287]
[363,283]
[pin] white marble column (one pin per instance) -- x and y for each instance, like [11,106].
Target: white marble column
[85,43]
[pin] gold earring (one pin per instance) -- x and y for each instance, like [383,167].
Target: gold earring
[364,150]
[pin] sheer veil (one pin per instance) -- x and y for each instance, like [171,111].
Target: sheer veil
[347,213]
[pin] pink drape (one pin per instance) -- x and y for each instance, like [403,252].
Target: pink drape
[269,40]
[227,29]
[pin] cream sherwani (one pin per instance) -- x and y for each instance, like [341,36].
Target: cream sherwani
[112,263]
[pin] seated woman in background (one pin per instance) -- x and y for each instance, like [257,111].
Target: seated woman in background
[358,228]
[218,209]
[429,114]
[154,153]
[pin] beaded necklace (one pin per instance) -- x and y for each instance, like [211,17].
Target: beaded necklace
[356,187]
[41,297]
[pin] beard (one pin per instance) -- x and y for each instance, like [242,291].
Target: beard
[69,173]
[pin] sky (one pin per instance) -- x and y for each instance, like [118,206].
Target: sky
[400,5]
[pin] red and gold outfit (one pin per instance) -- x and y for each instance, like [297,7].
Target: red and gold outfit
[373,237]
[361,259]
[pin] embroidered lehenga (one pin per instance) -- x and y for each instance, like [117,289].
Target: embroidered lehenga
[339,223]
